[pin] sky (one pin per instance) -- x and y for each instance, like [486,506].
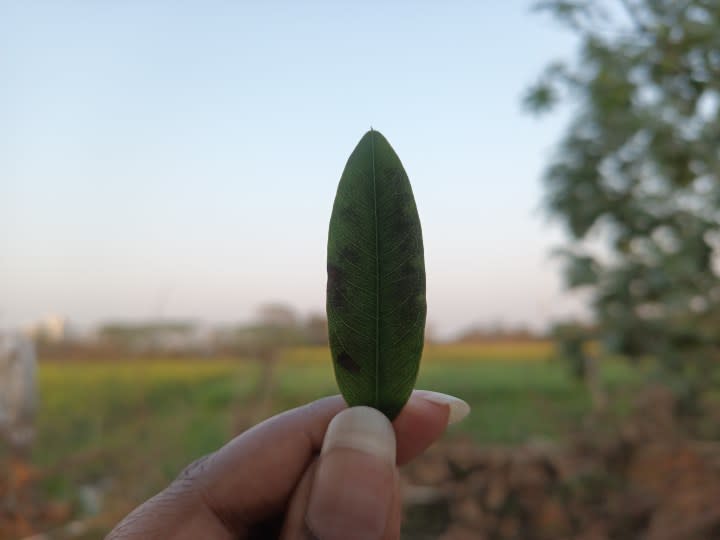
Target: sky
[179,159]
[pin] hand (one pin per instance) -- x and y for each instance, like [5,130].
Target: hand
[321,471]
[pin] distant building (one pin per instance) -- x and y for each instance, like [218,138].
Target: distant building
[53,328]
[154,336]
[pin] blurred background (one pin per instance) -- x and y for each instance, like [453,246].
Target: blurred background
[167,172]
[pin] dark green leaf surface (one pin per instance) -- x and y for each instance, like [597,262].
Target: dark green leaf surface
[376,280]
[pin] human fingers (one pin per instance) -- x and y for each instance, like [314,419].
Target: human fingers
[251,478]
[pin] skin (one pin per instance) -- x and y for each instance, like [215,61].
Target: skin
[271,482]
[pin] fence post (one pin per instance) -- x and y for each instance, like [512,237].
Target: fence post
[18,392]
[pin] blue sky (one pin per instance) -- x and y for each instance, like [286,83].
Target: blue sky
[181,158]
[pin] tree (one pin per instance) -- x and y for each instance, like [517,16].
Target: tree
[316,329]
[276,327]
[572,346]
[639,167]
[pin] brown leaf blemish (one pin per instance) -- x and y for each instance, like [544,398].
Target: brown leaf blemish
[346,361]
[334,286]
[351,255]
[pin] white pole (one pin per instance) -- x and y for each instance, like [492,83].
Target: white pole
[18,392]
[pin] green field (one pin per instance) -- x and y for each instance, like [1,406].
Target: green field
[125,429]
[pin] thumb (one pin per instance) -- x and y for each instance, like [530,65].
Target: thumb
[354,494]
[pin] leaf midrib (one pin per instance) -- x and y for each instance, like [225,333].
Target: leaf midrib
[377,273]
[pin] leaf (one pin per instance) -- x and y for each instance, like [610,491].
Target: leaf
[376,280]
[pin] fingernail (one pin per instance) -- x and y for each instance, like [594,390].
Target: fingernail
[459,409]
[364,429]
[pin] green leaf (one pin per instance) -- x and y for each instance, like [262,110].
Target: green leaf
[376,280]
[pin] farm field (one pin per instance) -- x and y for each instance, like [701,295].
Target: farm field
[110,434]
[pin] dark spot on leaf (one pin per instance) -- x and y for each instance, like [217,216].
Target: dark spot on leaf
[346,362]
[350,215]
[335,286]
[333,272]
[401,228]
[408,269]
[394,176]
[350,254]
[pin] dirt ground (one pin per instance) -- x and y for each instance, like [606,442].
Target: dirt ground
[648,481]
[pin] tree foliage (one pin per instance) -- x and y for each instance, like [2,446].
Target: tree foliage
[639,166]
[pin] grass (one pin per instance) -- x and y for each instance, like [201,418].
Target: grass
[99,422]
[512,401]
[128,428]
